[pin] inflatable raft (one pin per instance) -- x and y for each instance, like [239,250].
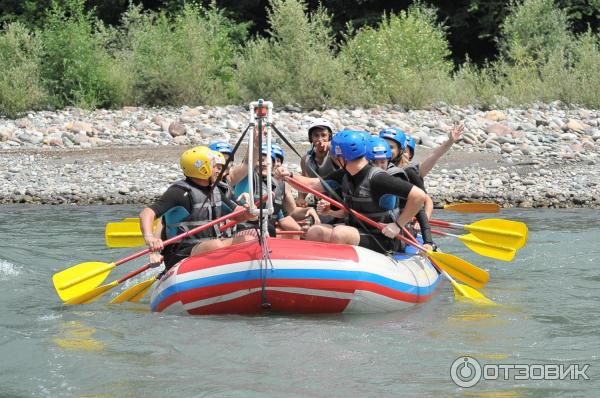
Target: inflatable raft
[298,277]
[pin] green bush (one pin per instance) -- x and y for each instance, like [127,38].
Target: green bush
[21,87]
[404,60]
[534,27]
[76,65]
[297,64]
[185,60]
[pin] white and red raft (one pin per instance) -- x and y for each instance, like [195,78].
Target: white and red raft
[297,277]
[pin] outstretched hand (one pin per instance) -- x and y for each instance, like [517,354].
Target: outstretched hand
[456,132]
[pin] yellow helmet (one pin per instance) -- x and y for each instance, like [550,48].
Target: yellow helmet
[219,158]
[197,162]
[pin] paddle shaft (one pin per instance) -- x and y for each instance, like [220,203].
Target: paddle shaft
[177,238]
[133,273]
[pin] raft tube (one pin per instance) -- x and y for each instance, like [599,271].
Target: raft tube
[299,277]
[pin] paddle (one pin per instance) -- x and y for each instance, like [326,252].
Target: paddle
[92,295]
[83,277]
[460,291]
[472,207]
[455,266]
[505,233]
[135,293]
[482,247]
[128,233]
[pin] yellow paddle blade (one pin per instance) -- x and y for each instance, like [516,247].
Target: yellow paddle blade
[135,293]
[504,233]
[464,292]
[487,249]
[125,233]
[80,278]
[460,269]
[473,207]
[91,295]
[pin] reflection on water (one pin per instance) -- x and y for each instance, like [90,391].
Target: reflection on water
[78,336]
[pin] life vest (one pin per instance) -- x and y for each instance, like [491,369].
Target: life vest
[203,211]
[323,169]
[397,172]
[360,198]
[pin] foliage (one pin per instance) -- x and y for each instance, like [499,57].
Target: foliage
[76,66]
[534,27]
[404,59]
[21,86]
[297,63]
[187,59]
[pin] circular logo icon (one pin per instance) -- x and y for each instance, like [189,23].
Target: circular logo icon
[465,372]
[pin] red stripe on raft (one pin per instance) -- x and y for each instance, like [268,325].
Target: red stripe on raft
[341,286]
[281,249]
[280,302]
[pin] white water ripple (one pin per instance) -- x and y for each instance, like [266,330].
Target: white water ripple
[8,270]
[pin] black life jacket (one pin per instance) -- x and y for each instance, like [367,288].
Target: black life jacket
[361,199]
[203,211]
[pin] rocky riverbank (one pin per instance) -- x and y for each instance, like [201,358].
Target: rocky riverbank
[544,156]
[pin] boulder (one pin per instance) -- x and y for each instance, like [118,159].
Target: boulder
[499,129]
[177,129]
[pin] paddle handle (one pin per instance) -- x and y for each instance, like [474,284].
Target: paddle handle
[356,214]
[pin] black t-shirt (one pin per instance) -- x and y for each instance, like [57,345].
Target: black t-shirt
[178,196]
[381,183]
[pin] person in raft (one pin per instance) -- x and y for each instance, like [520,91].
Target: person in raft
[362,187]
[203,203]
[318,159]
[379,153]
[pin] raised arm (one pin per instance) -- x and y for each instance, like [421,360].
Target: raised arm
[438,152]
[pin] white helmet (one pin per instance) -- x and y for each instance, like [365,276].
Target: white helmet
[320,123]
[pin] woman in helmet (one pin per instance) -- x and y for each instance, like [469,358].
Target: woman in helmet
[362,187]
[196,194]
[378,154]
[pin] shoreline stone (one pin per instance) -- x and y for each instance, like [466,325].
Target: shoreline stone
[542,156]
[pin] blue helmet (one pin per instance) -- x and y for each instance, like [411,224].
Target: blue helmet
[350,144]
[264,151]
[411,146]
[378,149]
[221,146]
[278,151]
[394,133]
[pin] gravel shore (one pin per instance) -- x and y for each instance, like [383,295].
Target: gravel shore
[544,156]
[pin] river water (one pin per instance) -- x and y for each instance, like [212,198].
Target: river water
[549,314]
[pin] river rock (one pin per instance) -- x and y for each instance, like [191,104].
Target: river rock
[495,115]
[498,129]
[177,129]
